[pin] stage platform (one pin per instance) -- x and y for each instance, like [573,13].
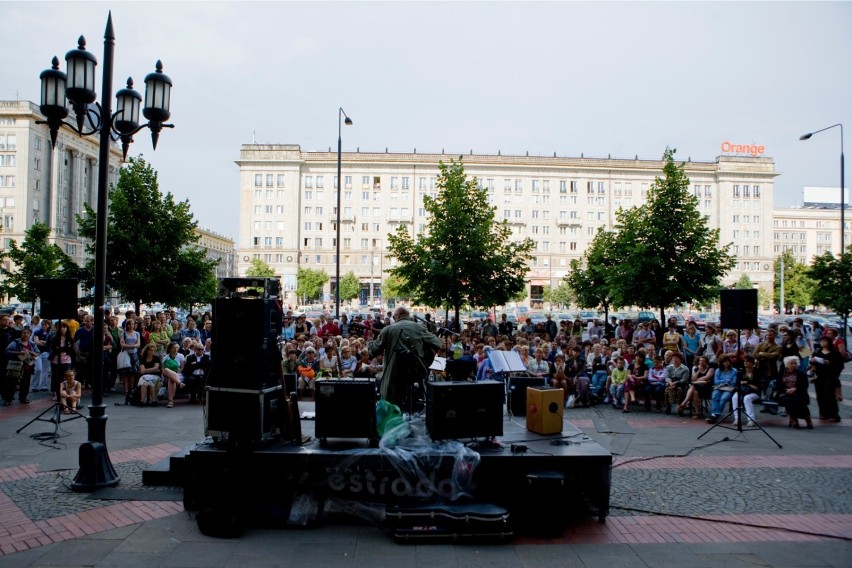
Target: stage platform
[541,479]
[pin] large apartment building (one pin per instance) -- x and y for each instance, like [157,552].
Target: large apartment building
[288,206]
[39,184]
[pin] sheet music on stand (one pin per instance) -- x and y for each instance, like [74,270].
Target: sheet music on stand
[506,361]
[439,364]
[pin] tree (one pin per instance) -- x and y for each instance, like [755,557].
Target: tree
[464,257]
[833,277]
[743,282]
[259,269]
[669,255]
[594,281]
[563,295]
[350,286]
[150,241]
[33,260]
[394,287]
[798,285]
[310,283]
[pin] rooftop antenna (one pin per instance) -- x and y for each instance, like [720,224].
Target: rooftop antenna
[254,136]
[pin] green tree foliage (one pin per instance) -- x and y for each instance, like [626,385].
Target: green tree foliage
[764,298]
[151,242]
[394,287]
[310,283]
[259,269]
[669,255]
[798,285]
[34,259]
[350,286]
[595,280]
[563,295]
[743,282]
[833,277]
[464,257]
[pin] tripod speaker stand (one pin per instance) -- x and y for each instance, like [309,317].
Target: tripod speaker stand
[739,310]
[56,419]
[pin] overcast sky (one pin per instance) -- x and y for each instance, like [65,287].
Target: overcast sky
[593,78]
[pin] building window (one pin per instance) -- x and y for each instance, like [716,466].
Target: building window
[746,191]
[309,181]
[347,182]
[736,191]
[280,180]
[268,180]
[321,182]
[258,180]
[756,191]
[590,187]
[405,183]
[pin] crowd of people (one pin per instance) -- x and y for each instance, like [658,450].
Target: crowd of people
[147,358]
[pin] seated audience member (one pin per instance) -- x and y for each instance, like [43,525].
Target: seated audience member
[173,364]
[195,369]
[348,362]
[149,375]
[307,371]
[793,393]
[724,384]
[616,386]
[750,381]
[656,385]
[677,381]
[700,387]
[70,392]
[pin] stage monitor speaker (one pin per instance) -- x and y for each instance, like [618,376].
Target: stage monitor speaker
[739,308]
[238,415]
[245,350]
[464,410]
[345,408]
[517,393]
[58,297]
[544,410]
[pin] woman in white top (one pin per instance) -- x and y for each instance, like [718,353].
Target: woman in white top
[129,340]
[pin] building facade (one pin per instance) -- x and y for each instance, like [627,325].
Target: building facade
[813,228]
[288,206]
[218,247]
[42,184]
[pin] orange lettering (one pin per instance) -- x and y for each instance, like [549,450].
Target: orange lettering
[751,149]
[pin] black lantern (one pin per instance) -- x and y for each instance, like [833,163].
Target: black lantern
[127,103]
[80,84]
[53,98]
[158,94]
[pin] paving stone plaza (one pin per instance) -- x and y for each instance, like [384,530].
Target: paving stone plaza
[728,499]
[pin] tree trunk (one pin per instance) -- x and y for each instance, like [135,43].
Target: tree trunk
[663,317]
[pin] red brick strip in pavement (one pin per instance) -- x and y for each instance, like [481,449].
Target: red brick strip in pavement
[647,529]
[734,462]
[18,532]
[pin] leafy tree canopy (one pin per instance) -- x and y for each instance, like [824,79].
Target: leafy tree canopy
[259,269]
[464,257]
[350,286]
[310,283]
[594,280]
[33,260]
[150,241]
[833,277]
[669,254]
[798,285]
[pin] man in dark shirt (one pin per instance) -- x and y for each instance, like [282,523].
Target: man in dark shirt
[83,348]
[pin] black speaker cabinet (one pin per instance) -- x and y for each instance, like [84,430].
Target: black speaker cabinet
[739,308]
[345,408]
[245,350]
[238,415]
[464,410]
[517,393]
[58,297]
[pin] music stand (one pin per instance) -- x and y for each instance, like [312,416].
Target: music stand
[461,369]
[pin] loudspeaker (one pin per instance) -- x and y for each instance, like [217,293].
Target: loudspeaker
[464,410]
[345,408]
[58,297]
[239,415]
[739,308]
[544,410]
[517,393]
[245,350]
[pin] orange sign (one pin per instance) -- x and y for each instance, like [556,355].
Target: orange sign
[752,149]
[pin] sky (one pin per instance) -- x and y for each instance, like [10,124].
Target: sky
[621,78]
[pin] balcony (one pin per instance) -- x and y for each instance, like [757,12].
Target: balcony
[569,222]
[344,218]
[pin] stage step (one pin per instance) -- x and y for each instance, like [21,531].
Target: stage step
[169,471]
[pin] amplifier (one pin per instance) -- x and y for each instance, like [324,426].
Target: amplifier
[239,415]
[517,393]
[345,408]
[464,410]
[544,410]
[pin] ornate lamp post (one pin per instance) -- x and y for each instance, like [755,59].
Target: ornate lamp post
[340,123]
[842,195]
[78,86]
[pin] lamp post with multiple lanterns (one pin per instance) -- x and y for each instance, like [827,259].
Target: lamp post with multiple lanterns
[78,87]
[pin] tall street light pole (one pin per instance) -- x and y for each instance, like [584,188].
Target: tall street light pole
[78,86]
[842,197]
[340,123]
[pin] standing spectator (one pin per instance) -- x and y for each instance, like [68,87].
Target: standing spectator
[83,348]
[767,355]
[25,351]
[41,376]
[61,349]
[550,327]
[827,365]
[505,327]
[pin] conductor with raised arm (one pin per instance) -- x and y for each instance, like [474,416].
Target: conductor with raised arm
[408,349]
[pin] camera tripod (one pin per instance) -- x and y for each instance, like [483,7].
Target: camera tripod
[56,419]
[739,411]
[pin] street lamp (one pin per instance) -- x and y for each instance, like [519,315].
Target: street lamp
[842,195]
[340,123]
[78,87]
